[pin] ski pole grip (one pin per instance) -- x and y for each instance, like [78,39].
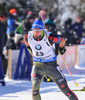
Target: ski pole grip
[39,8]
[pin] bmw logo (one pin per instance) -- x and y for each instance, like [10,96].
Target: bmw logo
[38,47]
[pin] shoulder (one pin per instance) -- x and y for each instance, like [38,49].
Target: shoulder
[29,32]
[54,35]
[47,20]
[48,33]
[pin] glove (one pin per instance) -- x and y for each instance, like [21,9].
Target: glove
[62,50]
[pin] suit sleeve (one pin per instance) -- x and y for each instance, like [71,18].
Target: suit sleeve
[56,39]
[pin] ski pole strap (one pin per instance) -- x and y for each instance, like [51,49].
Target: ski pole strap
[58,39]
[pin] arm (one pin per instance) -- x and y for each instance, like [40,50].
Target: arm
[60,42]
[62,49]
[27,45]
[56,39]
[25,40]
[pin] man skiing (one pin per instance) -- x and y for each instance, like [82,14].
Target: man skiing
[42,44]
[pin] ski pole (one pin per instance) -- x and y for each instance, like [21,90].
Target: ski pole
[18,27]
[68,70]
[30,51]
[39,8]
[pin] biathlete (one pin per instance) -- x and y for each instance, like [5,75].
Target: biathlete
[44,52]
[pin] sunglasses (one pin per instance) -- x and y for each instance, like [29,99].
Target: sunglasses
[36,30]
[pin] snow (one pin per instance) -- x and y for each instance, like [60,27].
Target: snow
[21,89]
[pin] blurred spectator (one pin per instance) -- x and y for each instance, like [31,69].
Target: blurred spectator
[3,36]
[27,24]
[21,15]
[50,25]
[43,13]
[82,41]
[9,45]
[18,40]
[3,39]
[67,32]
[78,30]
[11,26]
[30,13]
[82,21]
[2,18]
[10,42]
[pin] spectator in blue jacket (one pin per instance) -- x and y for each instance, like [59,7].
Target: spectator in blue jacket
[11,26]
[78,29]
